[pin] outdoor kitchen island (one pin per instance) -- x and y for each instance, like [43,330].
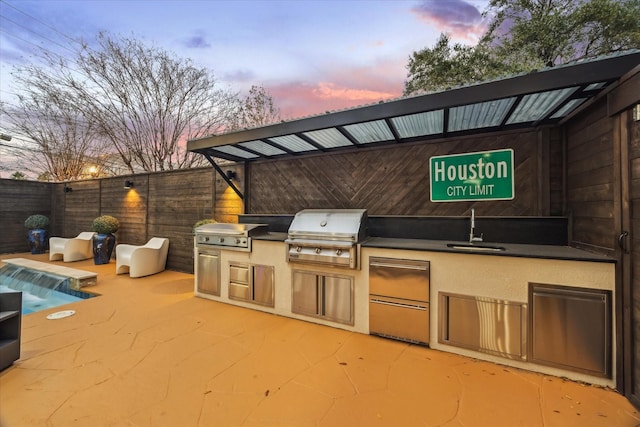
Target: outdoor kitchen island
[522,305]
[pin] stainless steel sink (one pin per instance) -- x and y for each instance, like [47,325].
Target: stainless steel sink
[475,247]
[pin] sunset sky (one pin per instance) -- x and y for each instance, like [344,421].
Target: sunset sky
[311,56]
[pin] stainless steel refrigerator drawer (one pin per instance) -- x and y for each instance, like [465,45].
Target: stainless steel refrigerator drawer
[399,278]
[399,319]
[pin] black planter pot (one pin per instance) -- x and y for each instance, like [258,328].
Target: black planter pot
[38,240]
[103,245]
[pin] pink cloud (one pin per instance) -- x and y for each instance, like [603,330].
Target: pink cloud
[338,90]
[457,18]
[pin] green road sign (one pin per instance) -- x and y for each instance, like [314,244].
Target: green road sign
[485,175]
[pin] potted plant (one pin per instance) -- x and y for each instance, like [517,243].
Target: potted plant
[104,241]
[37,234]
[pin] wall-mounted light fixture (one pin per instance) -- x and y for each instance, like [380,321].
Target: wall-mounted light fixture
[128,184]
[67,189]
[231,174]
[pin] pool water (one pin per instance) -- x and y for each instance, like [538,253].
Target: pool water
[54,292]
[32,302]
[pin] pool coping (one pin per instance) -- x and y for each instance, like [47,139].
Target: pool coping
[78,278]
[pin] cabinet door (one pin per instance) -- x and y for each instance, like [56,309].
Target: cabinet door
[305,293]
[571,328]
[208,273]
[338,299]
[263,278]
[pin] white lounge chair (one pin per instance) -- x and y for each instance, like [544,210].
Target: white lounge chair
[73,249]
[144,260]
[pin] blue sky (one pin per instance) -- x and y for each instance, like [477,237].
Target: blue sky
[312,56]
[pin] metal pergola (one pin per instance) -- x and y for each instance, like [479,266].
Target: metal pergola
[528,100]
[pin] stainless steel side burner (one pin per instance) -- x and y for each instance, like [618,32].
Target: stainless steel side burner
[328,237]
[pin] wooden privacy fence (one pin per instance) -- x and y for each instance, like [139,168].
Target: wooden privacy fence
[162,204]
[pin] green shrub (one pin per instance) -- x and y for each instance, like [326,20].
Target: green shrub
[36,221]
[203,222]
[105,224]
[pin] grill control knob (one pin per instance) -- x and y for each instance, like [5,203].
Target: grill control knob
[317,250]
[298,248]
[221,239]
[237,241]
[206,239]
[339,252]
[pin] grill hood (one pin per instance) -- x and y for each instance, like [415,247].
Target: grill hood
[348,225]
[327,237]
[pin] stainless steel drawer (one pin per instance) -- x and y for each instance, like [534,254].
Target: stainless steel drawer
[239,291]
[239,273]
[399,278]
[239,284]
[399,319]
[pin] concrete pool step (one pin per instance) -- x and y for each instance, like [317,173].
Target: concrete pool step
[79,278]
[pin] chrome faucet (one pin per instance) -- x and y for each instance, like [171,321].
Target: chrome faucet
[472,236]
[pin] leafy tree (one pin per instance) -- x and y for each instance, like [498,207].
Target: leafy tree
[18,175]
[558,31]
[445,66]
[524,35]
[609,26]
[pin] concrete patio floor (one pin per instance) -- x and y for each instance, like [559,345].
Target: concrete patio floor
[149,353]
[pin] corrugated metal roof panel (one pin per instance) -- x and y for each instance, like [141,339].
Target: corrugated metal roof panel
[293,143]
[412,125]
[328,138]
[481,115]
[262,148]
[367,132]
[537,106]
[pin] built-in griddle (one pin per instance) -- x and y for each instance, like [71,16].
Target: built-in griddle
[228,236]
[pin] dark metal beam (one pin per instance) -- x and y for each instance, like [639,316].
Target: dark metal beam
[224,176]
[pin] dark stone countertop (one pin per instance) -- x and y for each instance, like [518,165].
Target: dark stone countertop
[275,237]
[510,249]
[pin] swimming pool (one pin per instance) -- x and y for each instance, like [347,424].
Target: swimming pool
[40,290]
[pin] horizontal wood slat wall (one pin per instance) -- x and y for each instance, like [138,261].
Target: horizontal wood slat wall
[176,201]
[164,204]
[634,199]
[394,180]
[590,180]
[18,200]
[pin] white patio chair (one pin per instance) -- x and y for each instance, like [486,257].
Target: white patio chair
[73,249]
[144,260]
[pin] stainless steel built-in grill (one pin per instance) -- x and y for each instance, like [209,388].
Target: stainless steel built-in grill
[327,237]
[228,236]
